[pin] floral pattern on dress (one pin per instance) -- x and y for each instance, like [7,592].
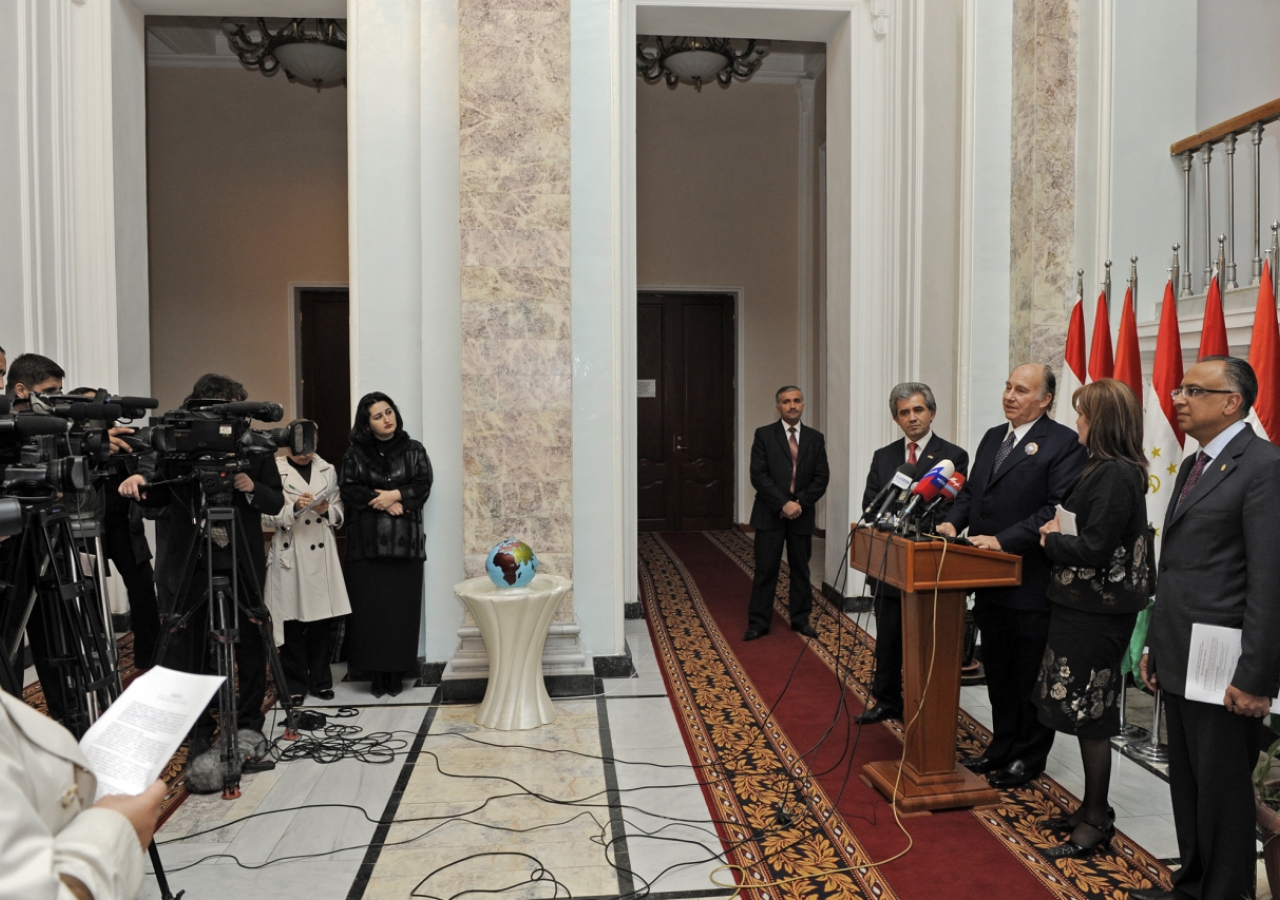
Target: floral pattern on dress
[1125,572]
[1080,701]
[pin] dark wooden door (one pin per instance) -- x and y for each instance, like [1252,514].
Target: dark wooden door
[684,412]
[324,379]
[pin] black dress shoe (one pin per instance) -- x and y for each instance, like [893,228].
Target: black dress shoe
[324,695]
[297,699]
[753,633]
[1065,824]
[980,765]
[1013,775]
[1098,839]
[377,684]
[804,628]
[878,713]
[394,685]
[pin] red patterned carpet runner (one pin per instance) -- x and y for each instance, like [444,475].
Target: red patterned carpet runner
[770,723]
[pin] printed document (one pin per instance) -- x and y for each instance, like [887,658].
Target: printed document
[1066,521]
[131,743]
[1215,650]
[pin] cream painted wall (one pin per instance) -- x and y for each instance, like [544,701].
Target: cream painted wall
[717,175]
[247,192]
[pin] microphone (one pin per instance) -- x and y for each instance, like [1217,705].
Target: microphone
[901,481]
[29,426]
[949,492]
[137,402]
[266,412]
[97,411]
[929,486]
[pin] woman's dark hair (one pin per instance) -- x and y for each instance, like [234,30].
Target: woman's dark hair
[1115,423]
[361,433]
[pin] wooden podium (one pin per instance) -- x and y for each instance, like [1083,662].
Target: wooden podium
[931,778]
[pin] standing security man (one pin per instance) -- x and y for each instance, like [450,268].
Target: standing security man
[913,408]
[789,472]
[1021,471]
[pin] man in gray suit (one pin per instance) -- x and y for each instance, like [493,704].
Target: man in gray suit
[1219,565]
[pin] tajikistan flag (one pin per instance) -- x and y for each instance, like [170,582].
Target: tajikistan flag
[1162,439]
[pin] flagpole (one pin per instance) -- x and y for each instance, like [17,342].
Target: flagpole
[1256,132]
[1106,288]
[1186,224]
[1275,255]
[1133,280]
[1173,269]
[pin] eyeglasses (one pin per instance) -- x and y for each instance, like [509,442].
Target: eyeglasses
[1192,391]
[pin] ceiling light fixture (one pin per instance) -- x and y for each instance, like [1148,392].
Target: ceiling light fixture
[697,60]
[315,56]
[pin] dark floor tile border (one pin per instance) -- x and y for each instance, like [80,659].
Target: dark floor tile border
[621,855]
[370,861]
[725,892]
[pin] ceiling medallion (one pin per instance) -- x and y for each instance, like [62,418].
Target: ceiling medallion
[315,56]
[696,60]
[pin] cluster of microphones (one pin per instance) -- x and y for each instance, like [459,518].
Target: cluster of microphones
[907,505]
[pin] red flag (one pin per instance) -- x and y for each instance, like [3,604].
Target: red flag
[1073,368]
[1101,364]
[1213,336]
[1166,374]
[1264,356]
[1128,357]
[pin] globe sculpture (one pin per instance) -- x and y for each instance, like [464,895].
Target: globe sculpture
[511,564]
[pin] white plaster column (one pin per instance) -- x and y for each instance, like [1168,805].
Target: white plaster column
[73,180]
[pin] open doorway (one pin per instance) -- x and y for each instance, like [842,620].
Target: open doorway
[727,194]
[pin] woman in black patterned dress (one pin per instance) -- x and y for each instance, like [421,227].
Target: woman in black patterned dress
[1097,588]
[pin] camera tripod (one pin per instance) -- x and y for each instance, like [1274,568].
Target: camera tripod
[48,593]
[222,600]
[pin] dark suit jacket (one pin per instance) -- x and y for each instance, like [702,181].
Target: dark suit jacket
[1018,500]
[885,462]
[884,465]
[1220,565]
[771,477]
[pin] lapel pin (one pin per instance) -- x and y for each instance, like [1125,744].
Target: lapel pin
[1224,467]
[1033,448]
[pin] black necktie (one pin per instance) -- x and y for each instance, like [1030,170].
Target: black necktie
[1202,460]
[1003,453]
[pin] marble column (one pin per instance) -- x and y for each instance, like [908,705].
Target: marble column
[517,363]
[1042,207]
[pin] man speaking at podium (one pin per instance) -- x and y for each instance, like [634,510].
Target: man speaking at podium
[789,472]
[913,407]
[1021,471]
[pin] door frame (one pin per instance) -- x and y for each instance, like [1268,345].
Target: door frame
[741,467]
[295,332]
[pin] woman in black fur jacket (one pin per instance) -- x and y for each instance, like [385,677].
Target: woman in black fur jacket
[386,479]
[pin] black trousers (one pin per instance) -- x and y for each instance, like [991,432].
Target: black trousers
[768,559]
[1013,643]
[139,581]
[1212,752]
[305,655]
[190,649]
[887,684]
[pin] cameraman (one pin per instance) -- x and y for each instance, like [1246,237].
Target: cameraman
[257,492]
[124,541]
[29,375]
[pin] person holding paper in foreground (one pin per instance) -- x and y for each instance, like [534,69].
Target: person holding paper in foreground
[1097,587]
[1218,566]
[53,843]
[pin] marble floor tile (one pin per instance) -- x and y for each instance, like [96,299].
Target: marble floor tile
[1154,833]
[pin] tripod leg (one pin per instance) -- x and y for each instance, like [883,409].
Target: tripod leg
[161,881]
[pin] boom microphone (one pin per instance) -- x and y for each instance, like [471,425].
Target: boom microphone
[901,481]
[929,486]
[266,412]
[105,412]
[950,491]
[29,426]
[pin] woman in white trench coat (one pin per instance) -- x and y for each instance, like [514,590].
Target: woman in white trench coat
[305,590]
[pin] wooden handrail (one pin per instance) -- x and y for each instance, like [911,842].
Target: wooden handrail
[1267,112]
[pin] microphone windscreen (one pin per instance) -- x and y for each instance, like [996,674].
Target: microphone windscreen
[102,411]
[952,488]
[33,426]
[137,402]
